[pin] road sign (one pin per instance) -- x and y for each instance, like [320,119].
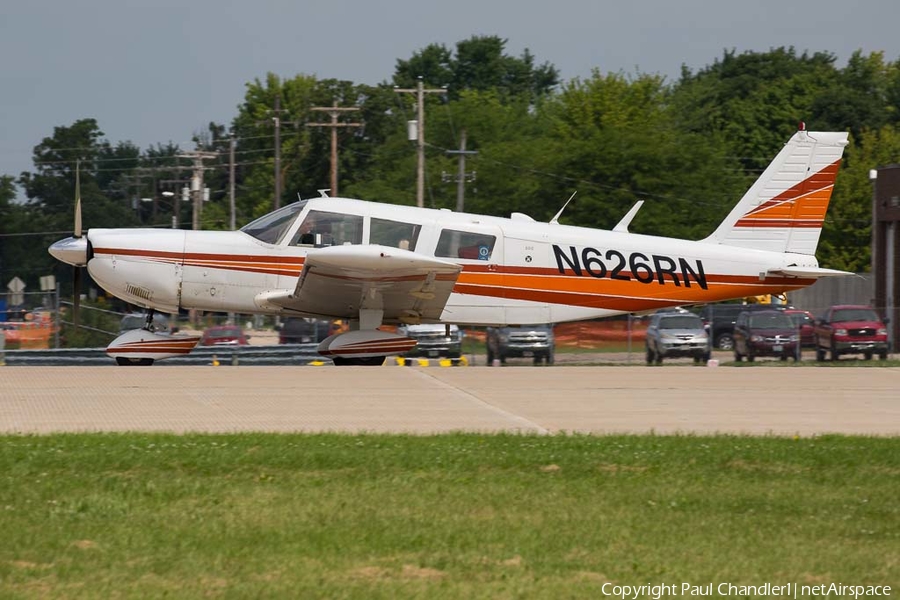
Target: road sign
[16,286]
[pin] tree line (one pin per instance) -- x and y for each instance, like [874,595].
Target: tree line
[690,148]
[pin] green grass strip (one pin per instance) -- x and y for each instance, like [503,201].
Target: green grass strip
[449,516]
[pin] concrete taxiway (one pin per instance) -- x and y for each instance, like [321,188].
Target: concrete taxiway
[698,400]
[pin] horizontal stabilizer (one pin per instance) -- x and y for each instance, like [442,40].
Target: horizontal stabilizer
[814,272]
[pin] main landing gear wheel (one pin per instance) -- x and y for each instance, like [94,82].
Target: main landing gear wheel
[368,361]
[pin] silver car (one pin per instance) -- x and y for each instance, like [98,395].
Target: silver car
[434,340]
[673,334]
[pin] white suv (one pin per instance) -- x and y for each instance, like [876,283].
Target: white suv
[676,334]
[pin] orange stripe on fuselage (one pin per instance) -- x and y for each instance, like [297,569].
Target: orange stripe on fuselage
[632,295]
[247,263]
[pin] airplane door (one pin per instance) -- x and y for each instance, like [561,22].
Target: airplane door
[478,295]
[527,261]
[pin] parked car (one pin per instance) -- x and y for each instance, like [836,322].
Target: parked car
[137,320]
[433,340]
[721,317]
[224,335]
[671,334]
[765,333]
[299,330]
[851,329]
[805,324]
[529,341]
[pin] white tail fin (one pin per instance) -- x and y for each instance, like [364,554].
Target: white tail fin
[784,210]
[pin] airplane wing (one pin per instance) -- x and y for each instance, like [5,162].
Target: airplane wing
[339,281]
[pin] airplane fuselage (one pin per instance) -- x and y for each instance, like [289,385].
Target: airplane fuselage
[514,270]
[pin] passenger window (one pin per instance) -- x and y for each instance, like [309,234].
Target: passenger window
[321,228]
[465,244]
[394,233]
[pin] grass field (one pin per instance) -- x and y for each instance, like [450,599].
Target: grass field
[453,516]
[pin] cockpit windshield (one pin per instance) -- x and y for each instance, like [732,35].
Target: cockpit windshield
[271,228]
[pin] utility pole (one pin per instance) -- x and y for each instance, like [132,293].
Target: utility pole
[198,157]
[462,177]
[420,92]
[334,111]
[277,120]
[133,180]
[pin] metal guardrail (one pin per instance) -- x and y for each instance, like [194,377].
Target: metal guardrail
[285,354]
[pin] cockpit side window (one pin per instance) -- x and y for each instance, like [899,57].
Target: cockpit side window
[321,228]
[271,228]
[394,233]
[465,244]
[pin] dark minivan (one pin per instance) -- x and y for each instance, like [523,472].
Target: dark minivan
[721,317]
[765,333]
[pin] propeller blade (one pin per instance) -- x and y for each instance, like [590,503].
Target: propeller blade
[77,232]
[76,294]
[76,275]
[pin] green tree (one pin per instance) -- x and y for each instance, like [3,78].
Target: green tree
[255,132]
[10,223]
[620,141]
[434,64]
[51,188]
[514,165]
[50,191]
[846,236]
[753,100]
[858,98]
[480,63]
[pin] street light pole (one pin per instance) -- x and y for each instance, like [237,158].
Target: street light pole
[175,208]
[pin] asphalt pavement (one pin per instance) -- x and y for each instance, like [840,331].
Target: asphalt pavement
[423,400]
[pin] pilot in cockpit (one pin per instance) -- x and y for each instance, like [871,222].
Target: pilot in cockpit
[306,234]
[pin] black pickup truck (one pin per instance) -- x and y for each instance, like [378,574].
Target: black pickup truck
[530,341]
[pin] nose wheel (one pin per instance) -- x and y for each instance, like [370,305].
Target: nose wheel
[133,362]
[368,361]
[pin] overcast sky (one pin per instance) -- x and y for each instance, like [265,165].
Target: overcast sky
[155,72]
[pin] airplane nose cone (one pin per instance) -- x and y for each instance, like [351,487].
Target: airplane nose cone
[71,250]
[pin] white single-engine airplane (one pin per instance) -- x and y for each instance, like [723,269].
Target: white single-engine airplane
[375,263]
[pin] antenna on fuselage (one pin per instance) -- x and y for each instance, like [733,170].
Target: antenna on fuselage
[555,219]
[622,225]
[324,192]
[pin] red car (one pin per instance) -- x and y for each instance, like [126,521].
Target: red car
[224,335]
[851,329]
